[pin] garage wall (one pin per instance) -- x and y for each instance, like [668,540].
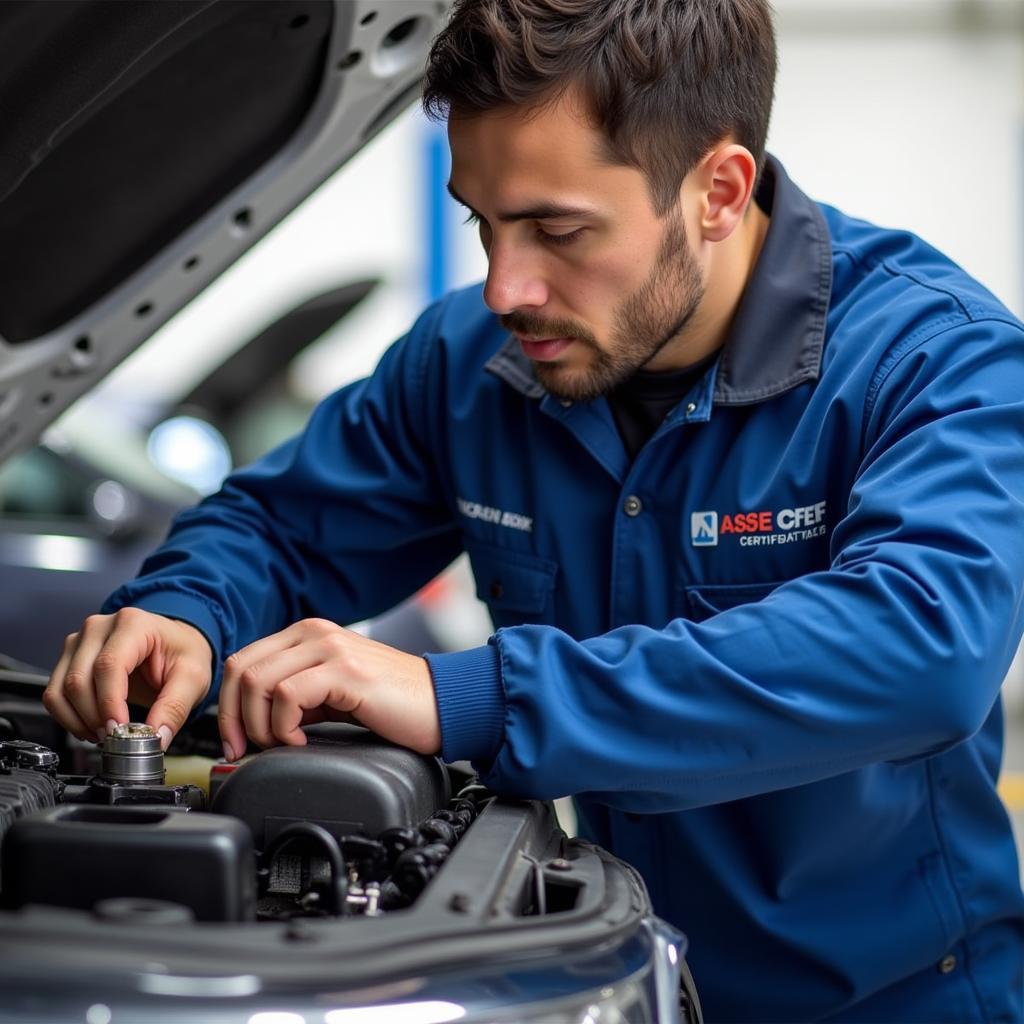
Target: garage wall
[913,119]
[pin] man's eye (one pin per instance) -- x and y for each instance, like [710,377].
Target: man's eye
[562,239]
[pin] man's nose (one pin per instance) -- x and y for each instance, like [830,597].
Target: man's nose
[514,281]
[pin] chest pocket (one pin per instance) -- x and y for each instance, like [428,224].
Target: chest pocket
[702,601]
[517,588]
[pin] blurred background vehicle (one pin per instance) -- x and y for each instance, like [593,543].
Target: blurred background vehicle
[80,511]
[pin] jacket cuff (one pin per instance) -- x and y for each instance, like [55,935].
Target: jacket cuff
[470,703]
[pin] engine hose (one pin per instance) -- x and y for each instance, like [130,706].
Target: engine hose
[309,830]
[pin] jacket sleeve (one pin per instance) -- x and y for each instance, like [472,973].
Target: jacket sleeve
[305,530]
[895,652]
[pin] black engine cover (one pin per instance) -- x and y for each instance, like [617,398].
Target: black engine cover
[346,780]
[79,855]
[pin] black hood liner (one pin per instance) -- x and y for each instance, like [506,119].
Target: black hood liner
[123,122]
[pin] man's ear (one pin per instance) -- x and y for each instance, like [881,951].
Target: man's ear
[725,178]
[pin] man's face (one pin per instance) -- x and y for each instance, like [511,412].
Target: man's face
[580,268]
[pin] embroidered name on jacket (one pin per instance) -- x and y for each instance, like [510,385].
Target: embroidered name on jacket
[513,520]
[758,528]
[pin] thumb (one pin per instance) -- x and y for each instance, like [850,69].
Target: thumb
[178,696]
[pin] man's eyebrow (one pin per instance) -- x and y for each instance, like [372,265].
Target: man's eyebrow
[541,211]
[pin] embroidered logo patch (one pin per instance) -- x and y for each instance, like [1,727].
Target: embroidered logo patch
[704,529]
[759,528]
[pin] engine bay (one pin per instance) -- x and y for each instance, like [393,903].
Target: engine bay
[347,825]
[344,873]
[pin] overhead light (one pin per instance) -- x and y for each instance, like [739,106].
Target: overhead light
[191,451]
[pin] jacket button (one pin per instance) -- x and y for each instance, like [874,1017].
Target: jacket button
[632,506]
[947,964]
[691,408]
[497,590]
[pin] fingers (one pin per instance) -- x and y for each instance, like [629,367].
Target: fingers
[57,704]
[229,715]
[71,695]
[296,700]
[181,692]
[89,685]
[78,680]
[188,673]
[229,702]
[126,645]
[251,678]
[315,670]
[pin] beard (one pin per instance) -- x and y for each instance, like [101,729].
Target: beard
[644,323]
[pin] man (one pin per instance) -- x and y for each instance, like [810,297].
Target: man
[741,481]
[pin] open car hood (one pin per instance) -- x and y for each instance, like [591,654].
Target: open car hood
[147,146]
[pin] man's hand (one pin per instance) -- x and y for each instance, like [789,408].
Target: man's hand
[130,655]
[317,671]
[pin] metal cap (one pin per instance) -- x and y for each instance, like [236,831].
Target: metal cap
[132,753]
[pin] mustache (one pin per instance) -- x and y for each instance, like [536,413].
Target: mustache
[537,327]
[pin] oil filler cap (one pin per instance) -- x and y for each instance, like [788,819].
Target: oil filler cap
[132,753]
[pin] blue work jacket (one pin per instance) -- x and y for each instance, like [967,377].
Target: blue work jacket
[764,656]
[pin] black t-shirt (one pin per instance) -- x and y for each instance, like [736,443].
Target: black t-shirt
[642,402]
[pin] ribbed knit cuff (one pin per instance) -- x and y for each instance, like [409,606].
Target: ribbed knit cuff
[470,703]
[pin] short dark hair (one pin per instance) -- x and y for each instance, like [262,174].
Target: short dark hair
[664,79]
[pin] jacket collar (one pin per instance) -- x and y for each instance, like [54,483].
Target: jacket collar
[778,334]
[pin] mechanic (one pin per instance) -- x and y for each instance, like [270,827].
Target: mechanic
[741,481]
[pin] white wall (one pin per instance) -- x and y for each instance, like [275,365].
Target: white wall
[917,125]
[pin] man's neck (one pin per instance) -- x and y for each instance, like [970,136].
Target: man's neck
[731,263]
